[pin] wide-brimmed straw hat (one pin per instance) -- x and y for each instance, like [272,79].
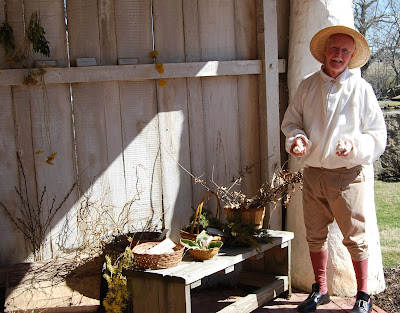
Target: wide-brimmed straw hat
[361,53]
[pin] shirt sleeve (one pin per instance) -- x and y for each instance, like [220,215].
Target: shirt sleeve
[371,143]
[292,123]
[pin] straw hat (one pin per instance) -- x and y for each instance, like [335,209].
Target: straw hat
[318,44]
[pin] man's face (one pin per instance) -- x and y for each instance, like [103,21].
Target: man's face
[339,51]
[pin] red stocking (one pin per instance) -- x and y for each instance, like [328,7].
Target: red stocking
[319,262]
[361,270]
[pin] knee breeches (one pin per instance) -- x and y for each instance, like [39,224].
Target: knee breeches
[330,194]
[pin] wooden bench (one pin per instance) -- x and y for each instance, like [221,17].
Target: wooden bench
[168,290]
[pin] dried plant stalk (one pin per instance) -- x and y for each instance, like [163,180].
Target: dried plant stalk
[30,221]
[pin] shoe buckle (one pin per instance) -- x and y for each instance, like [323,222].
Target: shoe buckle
[363,304]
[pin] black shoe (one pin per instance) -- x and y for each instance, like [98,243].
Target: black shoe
[314,299]
[363,303]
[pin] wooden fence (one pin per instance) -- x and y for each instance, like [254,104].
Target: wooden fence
[120,135]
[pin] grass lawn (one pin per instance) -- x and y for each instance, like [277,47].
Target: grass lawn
[387,200]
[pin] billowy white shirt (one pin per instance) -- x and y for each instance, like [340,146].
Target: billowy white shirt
[325,110]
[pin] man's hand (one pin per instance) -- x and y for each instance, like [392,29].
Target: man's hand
[344,148]
[298,148]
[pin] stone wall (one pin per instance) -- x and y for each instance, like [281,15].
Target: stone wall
[387,168]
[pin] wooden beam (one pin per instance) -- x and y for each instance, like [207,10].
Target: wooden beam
[135,72]
[255,300]
[267,38]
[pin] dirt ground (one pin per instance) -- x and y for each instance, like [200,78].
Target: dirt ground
[389,300]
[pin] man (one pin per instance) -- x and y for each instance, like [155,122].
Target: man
[335,126]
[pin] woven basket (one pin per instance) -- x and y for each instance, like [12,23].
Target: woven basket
[193,234]
[156,261]
[253,216]
[145,236]
[204,254]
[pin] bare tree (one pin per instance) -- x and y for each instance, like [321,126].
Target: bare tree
[379,22]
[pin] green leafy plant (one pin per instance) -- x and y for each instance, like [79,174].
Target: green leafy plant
[207,219]
[7,38]
[34,40]
[35,33]
[203,241]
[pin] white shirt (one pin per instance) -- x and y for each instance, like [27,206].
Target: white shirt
[325,109]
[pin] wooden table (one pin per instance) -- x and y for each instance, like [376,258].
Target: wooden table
[168,290]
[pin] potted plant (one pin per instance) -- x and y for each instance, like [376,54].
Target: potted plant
[204,247]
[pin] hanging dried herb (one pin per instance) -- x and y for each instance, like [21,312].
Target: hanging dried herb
[7,38]
[36,36]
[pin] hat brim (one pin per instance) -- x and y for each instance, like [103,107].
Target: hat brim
[361,53]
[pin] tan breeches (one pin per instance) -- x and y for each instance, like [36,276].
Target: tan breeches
[330,194]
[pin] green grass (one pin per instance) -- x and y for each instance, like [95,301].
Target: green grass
[387,200]
[389,104]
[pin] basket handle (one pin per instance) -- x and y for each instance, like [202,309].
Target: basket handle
[200,208]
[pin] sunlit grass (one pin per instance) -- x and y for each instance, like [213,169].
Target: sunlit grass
[387,200]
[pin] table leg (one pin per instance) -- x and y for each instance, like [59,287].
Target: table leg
[156,295]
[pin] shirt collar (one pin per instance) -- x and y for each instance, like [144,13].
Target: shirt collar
[340,79]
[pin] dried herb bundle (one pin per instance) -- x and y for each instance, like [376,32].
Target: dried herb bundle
[281,186]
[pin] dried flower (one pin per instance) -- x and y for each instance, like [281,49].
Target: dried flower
[154,53]
[51,158]
[162,82]
[159,67]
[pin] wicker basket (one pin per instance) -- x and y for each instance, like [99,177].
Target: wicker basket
[248,216]
[146,236]
[204,254]
[156,261]
[193,234]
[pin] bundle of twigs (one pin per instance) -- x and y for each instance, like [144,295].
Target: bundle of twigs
[281,187]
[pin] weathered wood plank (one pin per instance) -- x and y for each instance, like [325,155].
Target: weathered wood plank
[116,188]
[217,30]
[254,300]
[91,139]
[140,137]
[246,49]
[168,28]
[114,148]
[196,137]
[140,123]
[191,30]
[173,117]
[174,142]
[83,31]
[108,46]
[134,30]
[168,296]
[136,72]
[194,100]
[51,119]
[222,143]
[3,61]
[15,18]
[22,124]
[97,121]
[23,128]
[269,97]
[220,101]
[11,239]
